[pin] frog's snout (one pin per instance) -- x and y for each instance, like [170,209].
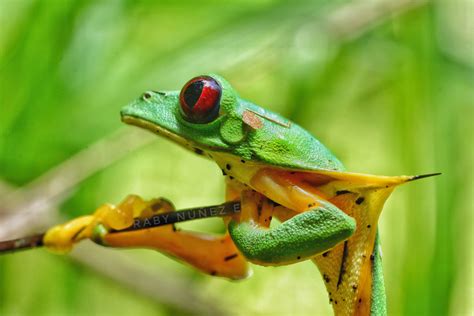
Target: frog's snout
[152,110]
[143,104]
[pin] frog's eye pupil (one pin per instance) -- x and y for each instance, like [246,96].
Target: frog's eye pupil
[192,93]
[200,100]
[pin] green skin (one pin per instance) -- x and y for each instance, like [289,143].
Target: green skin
[287,145]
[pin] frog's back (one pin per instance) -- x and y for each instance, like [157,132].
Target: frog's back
[282,143]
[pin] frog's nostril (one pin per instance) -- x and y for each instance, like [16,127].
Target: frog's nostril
[146,95]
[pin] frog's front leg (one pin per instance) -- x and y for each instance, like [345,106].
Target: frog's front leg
[301,237]
[215,255]
[320,227]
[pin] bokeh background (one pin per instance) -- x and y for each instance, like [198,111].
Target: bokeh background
[387,85]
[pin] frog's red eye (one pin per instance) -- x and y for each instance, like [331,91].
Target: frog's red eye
[200,99]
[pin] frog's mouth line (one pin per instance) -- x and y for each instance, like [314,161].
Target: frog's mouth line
[131,120]
[156,129]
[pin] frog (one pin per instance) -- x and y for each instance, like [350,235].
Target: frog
[279,172]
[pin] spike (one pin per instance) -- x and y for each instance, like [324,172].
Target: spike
[421,176]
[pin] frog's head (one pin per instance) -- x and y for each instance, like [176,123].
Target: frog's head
[205,115]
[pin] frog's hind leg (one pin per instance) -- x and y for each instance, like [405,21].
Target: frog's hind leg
[215,255]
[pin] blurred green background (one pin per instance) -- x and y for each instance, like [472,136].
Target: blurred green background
[387,85]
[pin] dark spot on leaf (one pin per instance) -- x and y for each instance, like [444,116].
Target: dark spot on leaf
[242,161]
[326,253]
[368,226]
[227,166]
[360,200]
[198,151]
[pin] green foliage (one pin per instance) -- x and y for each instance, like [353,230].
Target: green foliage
[390,98]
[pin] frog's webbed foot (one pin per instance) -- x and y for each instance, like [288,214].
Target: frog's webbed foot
[108,217]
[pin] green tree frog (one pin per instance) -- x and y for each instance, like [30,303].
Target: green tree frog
[277,170]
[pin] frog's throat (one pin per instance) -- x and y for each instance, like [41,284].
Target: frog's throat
[156,129]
